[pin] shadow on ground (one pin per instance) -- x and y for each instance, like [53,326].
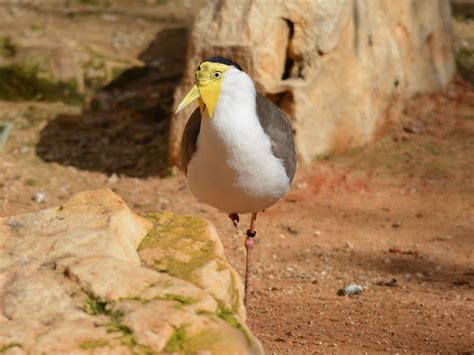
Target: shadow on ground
[125,128]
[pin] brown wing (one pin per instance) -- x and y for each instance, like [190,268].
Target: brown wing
[277,126]
[189,140]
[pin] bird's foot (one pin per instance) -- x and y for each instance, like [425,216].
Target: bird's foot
[235,219]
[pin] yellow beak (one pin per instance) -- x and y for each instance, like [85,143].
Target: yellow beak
[192,95]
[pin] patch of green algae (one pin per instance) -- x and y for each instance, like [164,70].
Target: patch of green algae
[93,344]
[95,306]
[182,343]
[229,317]
[186,235]
[28,82]
[182,300]
[4,348]
[174,233]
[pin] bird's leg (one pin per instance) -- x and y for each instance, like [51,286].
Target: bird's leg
[249,243]
[235,219]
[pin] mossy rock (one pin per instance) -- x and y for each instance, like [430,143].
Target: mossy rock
[218,338]
[21,81]
[188,248]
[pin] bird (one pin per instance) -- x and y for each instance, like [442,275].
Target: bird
[237,148]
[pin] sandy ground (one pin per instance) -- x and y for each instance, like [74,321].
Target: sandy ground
[396,216]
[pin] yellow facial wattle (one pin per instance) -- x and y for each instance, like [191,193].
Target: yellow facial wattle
[209,77]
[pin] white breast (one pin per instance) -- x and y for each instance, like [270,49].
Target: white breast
[233,168]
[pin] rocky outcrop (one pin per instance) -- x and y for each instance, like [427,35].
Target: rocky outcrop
[340,69]
[72,281]
[55,70]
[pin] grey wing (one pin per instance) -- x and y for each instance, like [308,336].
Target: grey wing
[189,139]
[277,126]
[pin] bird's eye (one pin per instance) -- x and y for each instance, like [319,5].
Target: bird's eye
[199,68]
[216,74]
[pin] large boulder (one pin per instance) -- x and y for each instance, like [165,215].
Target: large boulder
[341,69]
[72,281]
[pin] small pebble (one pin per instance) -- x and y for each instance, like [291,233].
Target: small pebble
[301,185]
[348,245]
[112,179]
[349,290]
[40,197]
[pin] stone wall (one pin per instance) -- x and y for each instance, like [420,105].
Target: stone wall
[341,69]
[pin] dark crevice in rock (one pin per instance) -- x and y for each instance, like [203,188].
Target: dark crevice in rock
[293,66]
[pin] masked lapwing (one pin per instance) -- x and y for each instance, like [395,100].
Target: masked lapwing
[237,150]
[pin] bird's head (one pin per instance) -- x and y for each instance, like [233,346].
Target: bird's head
[209,76]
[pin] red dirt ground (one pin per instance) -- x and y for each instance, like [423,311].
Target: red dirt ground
[401,208]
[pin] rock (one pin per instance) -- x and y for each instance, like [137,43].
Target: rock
[40,197]
[53,69]
[113,179]
[71,281]
[350,290]
[340,69]
[189,248]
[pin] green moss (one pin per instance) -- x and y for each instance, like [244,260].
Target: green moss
[184,247]
[229,317]
[465,53]
[178,298]
[201,341]
[465,63]
[116,72]
[177,342]
[183,343]
[4,348]
[93,344]
[7,47]
[178,234]
[27,82]
[182,300]
[32,182]
[95,306]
